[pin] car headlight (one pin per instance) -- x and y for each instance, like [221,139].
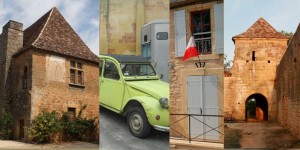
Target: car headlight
[164,102]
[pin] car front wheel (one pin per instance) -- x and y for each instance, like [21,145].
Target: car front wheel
[138,123]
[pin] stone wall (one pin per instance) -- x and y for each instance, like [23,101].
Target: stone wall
[11,40]
[250,77]
[20,97]
[57,94]
[180,70]
[121,23]
[287,87]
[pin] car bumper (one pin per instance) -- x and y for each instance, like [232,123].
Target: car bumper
[161,128]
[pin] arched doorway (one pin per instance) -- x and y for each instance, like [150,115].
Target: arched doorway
[256,108]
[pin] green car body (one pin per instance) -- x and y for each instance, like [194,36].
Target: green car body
[139,93]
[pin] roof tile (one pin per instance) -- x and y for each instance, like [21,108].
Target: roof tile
[261,29]
[53,33]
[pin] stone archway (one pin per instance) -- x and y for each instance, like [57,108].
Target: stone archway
[256,108]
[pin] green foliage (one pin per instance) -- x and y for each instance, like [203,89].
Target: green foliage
[251,108]
[77,128]
[47,125]
[227,63]
[288,34]
[6,124]
[44,127]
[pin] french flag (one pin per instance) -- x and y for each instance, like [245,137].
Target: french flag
[191,50]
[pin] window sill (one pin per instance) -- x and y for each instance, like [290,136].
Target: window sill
[204,57]
[76,85]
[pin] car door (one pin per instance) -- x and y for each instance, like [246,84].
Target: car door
[111,86]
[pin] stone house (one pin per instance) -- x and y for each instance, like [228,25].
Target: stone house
[197,90]
[121,23]
[46,66]
[258,52]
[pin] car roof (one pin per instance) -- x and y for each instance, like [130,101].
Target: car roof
[130,59]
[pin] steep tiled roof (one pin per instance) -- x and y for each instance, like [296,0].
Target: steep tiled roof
[261,29]
[53,33]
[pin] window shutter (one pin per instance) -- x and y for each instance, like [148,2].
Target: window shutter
[219,28]
[211,106]
[180,32]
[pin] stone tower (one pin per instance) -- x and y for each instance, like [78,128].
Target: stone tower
[258,52]
[11,40]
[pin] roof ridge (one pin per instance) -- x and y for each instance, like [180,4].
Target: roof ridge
[51,11]
[261,29]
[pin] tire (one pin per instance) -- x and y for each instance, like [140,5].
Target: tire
[138,123]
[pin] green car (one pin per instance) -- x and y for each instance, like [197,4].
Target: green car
[129,86]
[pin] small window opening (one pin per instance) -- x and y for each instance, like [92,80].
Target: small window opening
[253,55]
[269,61]
[72,112]
[247,61]
[25,78]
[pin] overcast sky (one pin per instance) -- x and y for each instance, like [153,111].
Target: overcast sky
[241,14]
[82,15]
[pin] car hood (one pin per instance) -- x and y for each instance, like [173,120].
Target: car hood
[155,88]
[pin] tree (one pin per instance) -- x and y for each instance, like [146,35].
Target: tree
[288,34]
[227,63]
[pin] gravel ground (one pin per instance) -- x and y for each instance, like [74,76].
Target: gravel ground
[7,144]
[259,135]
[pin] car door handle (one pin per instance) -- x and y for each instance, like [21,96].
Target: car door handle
[201,110]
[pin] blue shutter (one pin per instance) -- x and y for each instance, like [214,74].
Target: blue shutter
[219,28]
[180,32]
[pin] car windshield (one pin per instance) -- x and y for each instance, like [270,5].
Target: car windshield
[137,70]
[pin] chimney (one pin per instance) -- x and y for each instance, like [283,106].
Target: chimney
[11,40]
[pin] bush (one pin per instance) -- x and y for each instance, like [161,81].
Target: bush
[77,128]
[47,125]
[6,124]
[44,127]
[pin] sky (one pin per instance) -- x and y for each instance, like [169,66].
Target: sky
[82,15]
[241,14]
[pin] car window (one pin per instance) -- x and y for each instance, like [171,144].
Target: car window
[100,67]
[137,70]
[111,70]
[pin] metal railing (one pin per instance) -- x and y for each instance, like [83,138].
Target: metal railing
[203,43]
[193,116]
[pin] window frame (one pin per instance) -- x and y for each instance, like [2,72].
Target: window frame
[116,66]
[76,70]
[201,34]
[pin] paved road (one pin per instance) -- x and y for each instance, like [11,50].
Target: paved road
[115,135]
[259,135]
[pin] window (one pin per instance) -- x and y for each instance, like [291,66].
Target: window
[111,70]
[162,35]
[253,55]
[72,112]
[200,28]
[25,80]
[76,73]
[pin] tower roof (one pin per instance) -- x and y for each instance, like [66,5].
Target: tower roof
[53,33]
[261,29]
